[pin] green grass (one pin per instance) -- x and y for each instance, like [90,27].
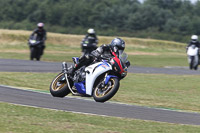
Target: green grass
[61,47]
[40,81]
[158,61]
[155,90]
[159,90]
[18,119]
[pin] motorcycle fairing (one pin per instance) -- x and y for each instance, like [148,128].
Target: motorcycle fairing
[80,86]
[92,72]
[104,64]
[192,50]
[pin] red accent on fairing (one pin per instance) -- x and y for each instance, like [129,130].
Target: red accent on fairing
[118,62]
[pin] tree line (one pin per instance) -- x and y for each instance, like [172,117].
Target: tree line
[161,19]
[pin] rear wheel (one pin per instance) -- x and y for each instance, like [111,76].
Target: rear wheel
[103,94]
[59,87]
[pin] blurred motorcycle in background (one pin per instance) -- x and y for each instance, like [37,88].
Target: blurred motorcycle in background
[88,45]
[35,48]
[193,57]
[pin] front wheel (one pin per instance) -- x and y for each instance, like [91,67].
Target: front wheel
[196,67]
[32,53]
[103,94]
[59,87]
[35,53]
[191,64]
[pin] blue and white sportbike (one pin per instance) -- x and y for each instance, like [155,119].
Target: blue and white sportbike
[99,80]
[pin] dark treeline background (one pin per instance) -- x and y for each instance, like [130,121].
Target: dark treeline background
[161,19]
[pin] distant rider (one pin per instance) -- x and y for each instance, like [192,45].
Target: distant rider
[92,40]
[104,51]
[41,35]
[194,41]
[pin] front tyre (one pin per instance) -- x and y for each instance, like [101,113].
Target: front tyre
[32,53]
[103,94]
[196,67]
[191,64]
[59,87]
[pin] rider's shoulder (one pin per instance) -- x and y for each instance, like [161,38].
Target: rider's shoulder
[104,45]
[35,30]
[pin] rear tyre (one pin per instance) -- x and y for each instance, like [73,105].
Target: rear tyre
[103,94]
[59,87]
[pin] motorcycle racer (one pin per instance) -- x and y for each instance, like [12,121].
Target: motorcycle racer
[41,36]
[92,40]
[194,41]
[117,46]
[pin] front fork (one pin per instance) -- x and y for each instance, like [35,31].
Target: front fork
[106,79]
[65,70]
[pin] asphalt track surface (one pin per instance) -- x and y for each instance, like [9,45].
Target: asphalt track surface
[12,65]
[71,104]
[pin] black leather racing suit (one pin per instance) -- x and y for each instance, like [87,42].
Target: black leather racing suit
[92,43]
[104,51]
[40,36]
[196,43]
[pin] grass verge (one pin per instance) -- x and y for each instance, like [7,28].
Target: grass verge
[18,119]
[61,47]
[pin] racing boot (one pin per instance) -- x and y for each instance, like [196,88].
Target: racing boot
[73,69]
[78,63]
[71,73]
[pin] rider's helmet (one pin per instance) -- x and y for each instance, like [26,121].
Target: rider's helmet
[117,45]
[40,25]
[91,31]
[194,38]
